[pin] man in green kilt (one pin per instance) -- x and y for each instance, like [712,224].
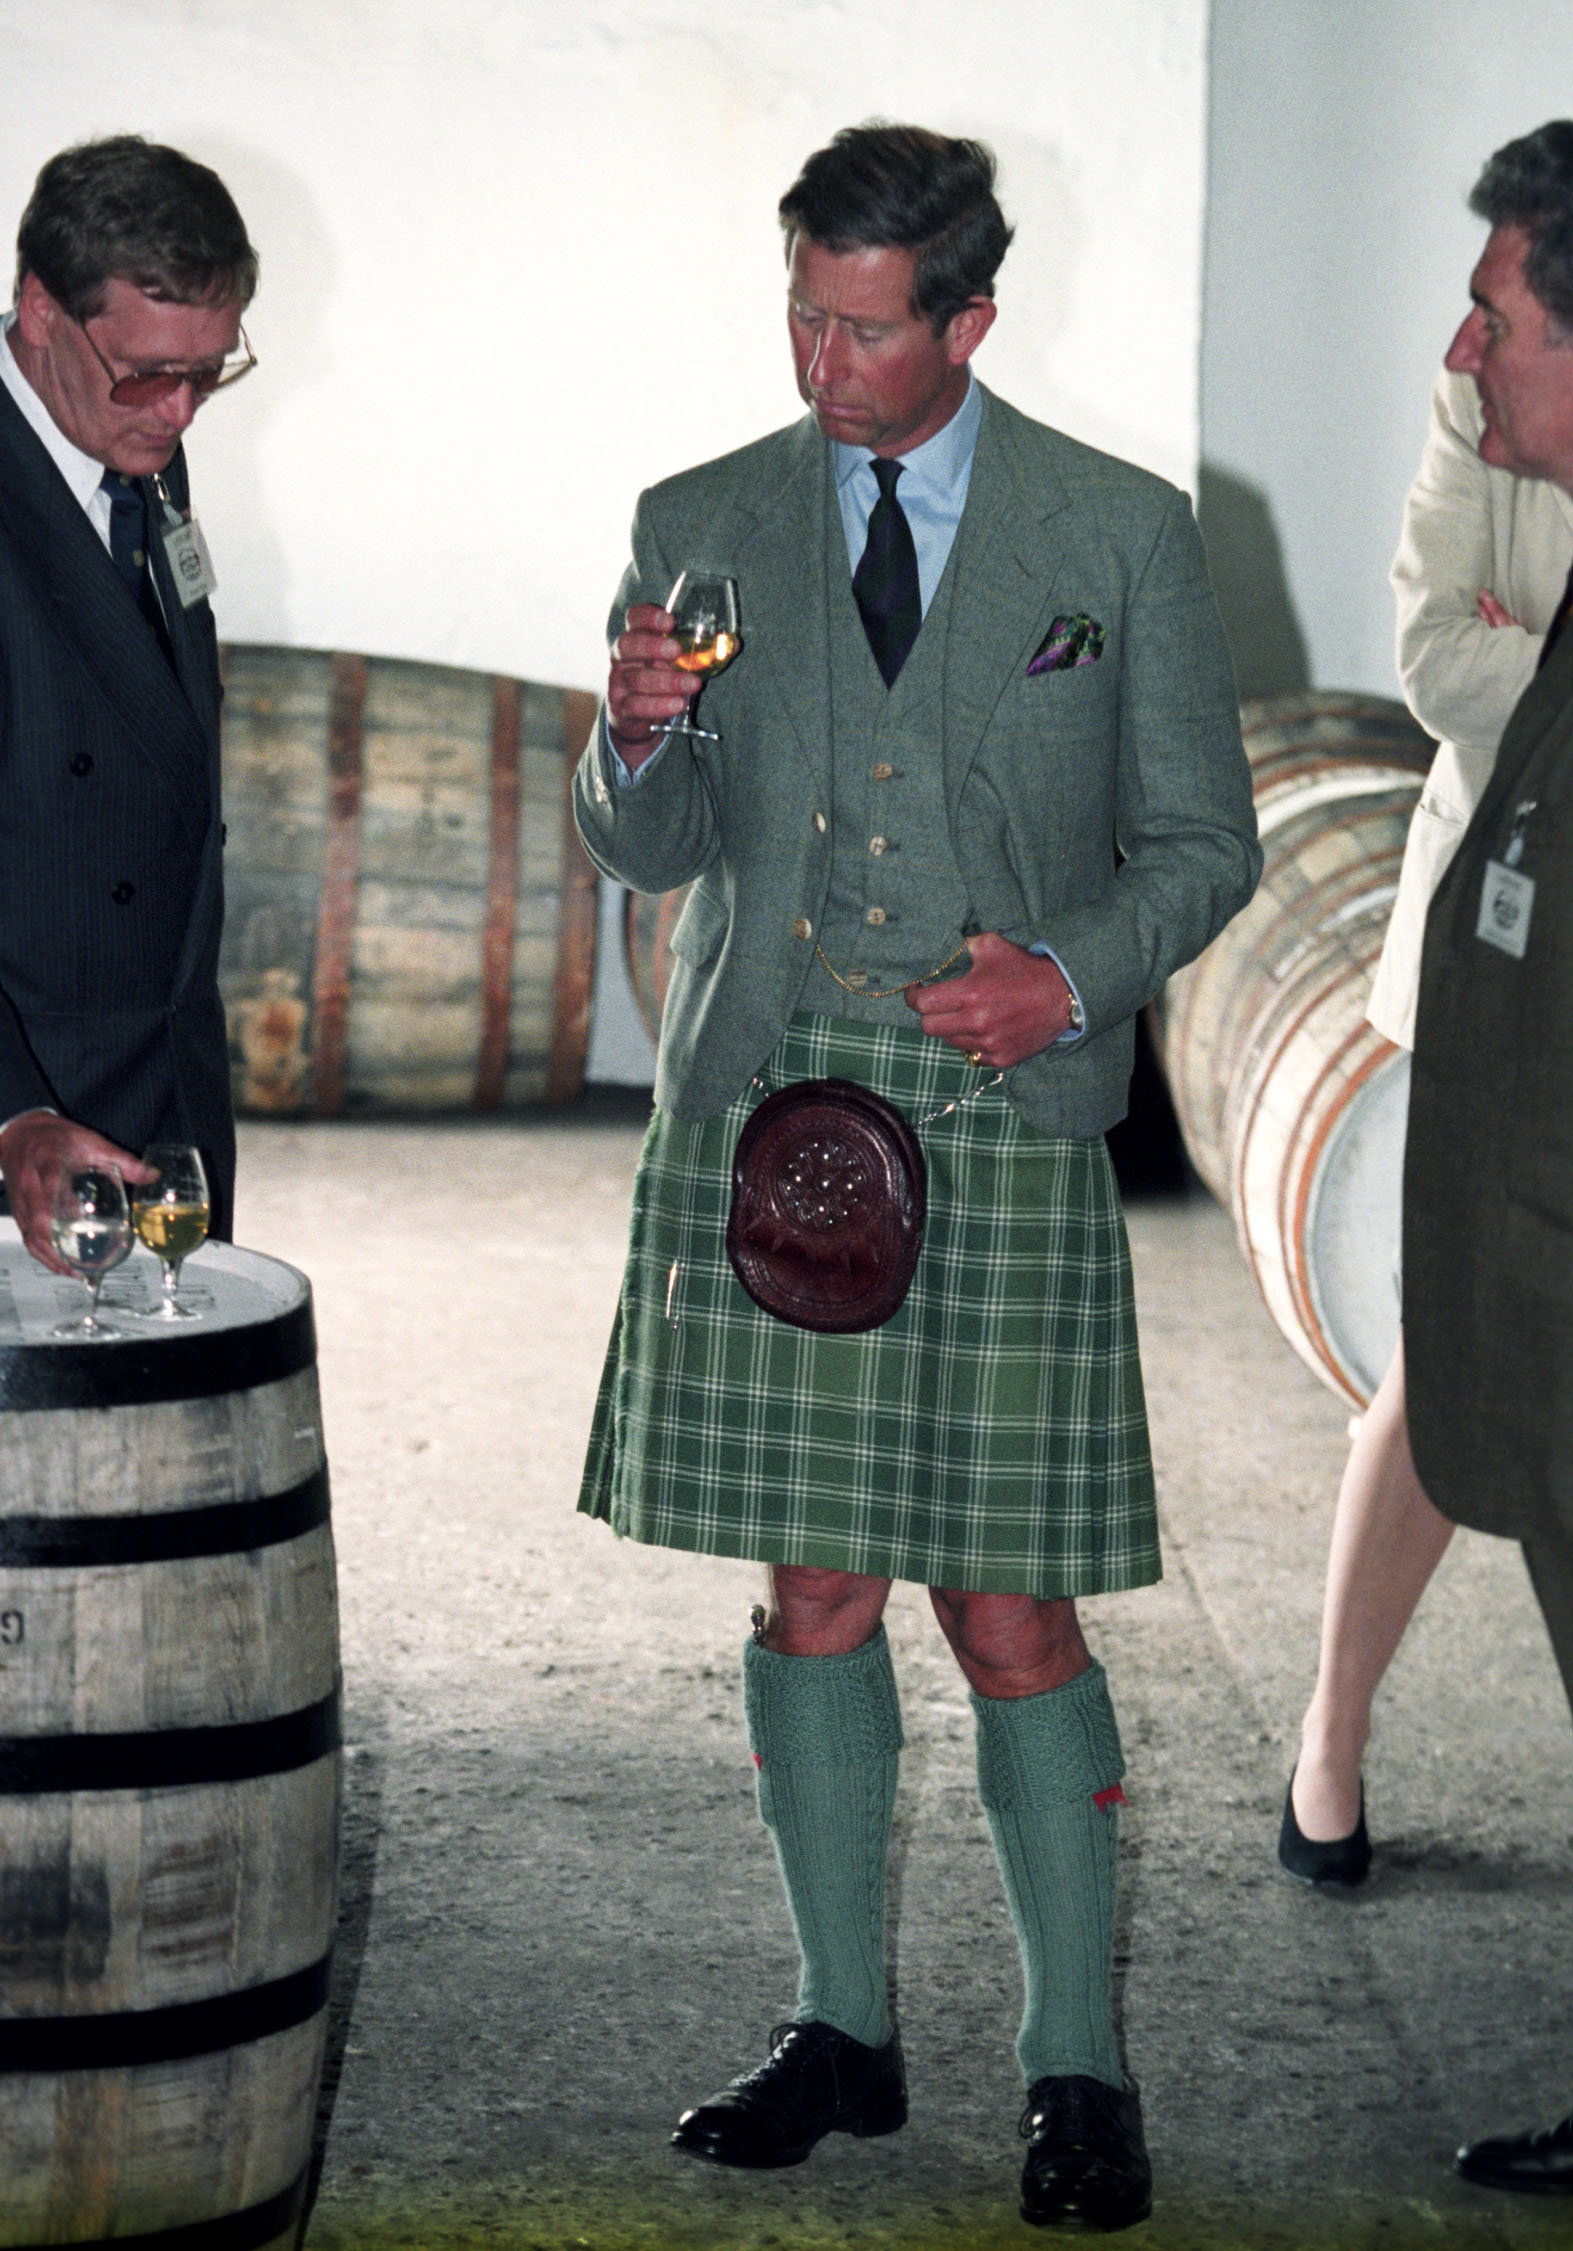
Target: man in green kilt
[971,791]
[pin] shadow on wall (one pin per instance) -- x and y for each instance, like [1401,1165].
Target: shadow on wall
[1252,592]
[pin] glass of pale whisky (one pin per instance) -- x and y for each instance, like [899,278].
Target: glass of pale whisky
[706,630]
[170,1215]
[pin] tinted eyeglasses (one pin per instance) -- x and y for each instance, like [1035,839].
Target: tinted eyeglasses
[163,382]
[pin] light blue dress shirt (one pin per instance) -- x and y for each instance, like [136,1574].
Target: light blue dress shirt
[932,490]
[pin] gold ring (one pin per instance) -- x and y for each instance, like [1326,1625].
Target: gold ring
[975,1056]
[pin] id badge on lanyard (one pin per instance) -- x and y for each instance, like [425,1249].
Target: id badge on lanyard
[190,564]
[1507,897]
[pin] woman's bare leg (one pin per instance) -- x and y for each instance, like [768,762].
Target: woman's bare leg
[1387,1540]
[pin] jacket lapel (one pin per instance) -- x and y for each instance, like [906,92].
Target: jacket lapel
[1006,564]
[188,637]
[779,550]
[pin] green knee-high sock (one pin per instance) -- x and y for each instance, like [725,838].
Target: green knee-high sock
[825,1732]
[1042,1761]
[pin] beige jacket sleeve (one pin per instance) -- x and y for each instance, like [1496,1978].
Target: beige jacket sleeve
[1466,528]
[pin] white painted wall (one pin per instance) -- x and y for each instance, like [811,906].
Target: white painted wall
[520,257]
[1345,136]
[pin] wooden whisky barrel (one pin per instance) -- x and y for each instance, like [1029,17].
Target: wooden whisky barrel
[169,1760]
[1291,1104]
[411,919]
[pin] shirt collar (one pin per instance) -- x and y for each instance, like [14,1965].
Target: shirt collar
[80,471]
[942,463]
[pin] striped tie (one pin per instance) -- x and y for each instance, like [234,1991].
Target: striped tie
[885,583]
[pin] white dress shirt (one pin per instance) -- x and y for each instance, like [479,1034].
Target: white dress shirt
[81,472]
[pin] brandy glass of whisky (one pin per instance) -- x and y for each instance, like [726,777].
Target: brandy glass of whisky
[170,1215]
[705,627]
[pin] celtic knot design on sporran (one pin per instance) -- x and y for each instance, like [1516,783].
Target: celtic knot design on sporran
[826,1182]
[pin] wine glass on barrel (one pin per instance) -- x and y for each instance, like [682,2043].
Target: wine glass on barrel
[170,1214]
[705,627]
[90,1227]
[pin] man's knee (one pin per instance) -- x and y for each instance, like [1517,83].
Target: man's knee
[1011,1644]
[816,1613]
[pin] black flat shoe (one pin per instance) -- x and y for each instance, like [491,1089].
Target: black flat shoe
[1086,2155]
[1340,1863]
[1537,2164]
[815,2081]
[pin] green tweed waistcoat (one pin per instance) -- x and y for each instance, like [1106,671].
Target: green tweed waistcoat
[896,902]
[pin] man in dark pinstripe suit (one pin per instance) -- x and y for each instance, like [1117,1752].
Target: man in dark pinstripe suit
[133,270]
[1488,1165]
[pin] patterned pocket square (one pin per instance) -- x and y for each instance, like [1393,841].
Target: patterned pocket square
[1069,641]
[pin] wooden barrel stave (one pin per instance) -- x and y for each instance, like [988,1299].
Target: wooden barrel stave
[169,1788]
[239,2134]
[1352,1216]
[1290,1103]
[125,1899]
[1319,915]
[411,919]
[1295,1129]
[1319,887]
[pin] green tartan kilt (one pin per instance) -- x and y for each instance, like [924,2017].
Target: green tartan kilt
[991,1435]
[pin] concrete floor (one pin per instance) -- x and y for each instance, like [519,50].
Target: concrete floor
[561,1917]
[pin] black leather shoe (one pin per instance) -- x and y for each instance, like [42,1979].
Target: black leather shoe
[1340,1863]
[1086,2157]
[1540,2164]
[815,2081]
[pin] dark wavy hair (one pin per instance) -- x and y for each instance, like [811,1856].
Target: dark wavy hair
[132,209]
[901,187]
[1529,184]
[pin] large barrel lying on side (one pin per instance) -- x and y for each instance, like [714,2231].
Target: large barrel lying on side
[1291,1104]
[410,917]
[169,1762]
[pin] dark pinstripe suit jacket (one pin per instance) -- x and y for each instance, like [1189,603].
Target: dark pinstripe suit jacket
[1488,1165]
[111,889]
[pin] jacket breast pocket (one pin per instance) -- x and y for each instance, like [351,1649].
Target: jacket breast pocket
[1080,701]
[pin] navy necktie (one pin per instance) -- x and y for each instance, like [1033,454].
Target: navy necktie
[885,583]
[128,533]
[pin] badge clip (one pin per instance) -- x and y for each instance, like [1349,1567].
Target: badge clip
[1515,843]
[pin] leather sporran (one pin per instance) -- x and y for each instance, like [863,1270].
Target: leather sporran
[829,1193]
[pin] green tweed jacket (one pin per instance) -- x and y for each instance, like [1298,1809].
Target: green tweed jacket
[1104,808]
